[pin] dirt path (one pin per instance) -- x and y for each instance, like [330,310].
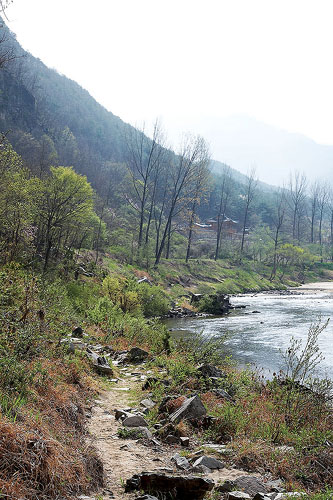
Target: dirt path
[124,457]
[121,457]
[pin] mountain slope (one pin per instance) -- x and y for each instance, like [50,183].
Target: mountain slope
[243,142]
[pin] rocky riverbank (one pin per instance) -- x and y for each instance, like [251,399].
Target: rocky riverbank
[153,440]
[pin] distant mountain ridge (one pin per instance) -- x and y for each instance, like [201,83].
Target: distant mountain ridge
[242,142]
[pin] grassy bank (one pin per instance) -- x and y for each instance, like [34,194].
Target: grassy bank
[46,389]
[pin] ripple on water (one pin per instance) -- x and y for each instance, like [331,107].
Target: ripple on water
[260,338]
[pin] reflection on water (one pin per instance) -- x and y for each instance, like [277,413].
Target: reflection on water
[258,338]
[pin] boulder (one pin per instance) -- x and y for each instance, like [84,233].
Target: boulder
[101,364]
[184,441]
[146,497]
[192,408]
[179,487]
[250,485]
[148,403]
[121,414]
[134,421]
[181,462]
[77,332]
[226,487]
[236,495]
[136,355]
[221,394]
[261,496]
[208,371]
[171,439]
[210,462]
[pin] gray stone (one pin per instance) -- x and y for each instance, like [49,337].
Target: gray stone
[261,496]
[136,354]
[210,462]
[202,469]
[104,369]
[289,495]
[180,487]
[171,439]
[135,421]
[184,441]
[181,462]
[208,371]
[77,332]
[250,485]
[148,403]
[221,394]
[192,408]
[146,497]
[225,487]
[236,495]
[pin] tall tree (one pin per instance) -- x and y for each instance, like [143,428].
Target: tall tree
[225,189]
[181,183]
[144,157]
[65,203]
[297,196]
[278,220]
[200,181]
[250,189]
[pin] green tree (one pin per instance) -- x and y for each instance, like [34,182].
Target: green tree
[66,203]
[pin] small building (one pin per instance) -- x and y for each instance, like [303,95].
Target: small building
[230,228]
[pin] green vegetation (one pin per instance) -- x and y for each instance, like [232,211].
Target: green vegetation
[100,227]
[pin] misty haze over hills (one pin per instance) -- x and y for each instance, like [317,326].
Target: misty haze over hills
[243,142]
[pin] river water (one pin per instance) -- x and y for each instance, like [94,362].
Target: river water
[259,338]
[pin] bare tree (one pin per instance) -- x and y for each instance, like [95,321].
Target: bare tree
[297,196]
[314,194]
[322,202]
[181,184]
[278,220]
[144,157]
[200,182]
[225,192]
[250,190]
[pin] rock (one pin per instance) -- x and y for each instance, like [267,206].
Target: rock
[181,462]
[146,497]
[286,496]
[255,312]
[184,441]
[221,394]
[136,355]
[250,485]
[171,439]
[218,448]
[148,403]
[210,462]
[77,332]
[226,486]
[192,408]
[103,367]
[134,421]
[180,487]
[151,381]
[121,414]
[208,371]
[202,469]
[261,496]
[236,495]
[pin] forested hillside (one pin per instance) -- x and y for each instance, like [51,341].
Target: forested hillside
[149,202]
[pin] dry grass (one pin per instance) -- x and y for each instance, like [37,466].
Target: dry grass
[43,454]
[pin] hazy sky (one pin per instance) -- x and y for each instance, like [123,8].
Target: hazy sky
[186,59]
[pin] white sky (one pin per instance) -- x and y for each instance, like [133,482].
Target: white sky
[186,59]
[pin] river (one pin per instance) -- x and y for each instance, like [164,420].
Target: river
[257,338]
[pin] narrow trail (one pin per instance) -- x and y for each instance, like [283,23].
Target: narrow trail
[122,458]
